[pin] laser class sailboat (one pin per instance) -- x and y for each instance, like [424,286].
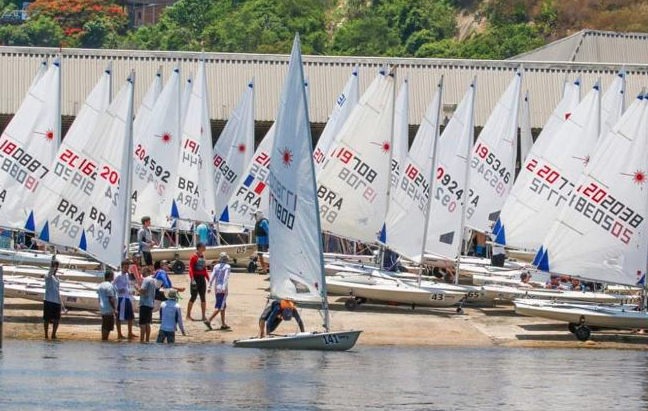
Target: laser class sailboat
[297,259]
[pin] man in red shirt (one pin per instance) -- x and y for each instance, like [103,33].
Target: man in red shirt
[199,278]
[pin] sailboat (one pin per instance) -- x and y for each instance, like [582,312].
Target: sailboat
[402,230]
[550,172]
[28,147]
[91,218]
[233,151]
[601,233]
[297,259]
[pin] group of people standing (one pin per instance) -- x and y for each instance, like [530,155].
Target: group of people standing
[153,284]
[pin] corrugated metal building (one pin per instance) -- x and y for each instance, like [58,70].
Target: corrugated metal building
[229,73]
[594,46]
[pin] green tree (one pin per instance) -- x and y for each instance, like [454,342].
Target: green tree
[369,36]
[41,31]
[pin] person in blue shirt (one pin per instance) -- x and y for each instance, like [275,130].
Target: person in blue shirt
[202,231]
[161,270]
[262,234]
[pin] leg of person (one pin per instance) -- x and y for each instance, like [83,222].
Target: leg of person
[107,325]
[221,304]
[47,317]
[148,257]
[46,327]
[193,290]
[201,284]
[120,317]
[55,325]
[273,326]
[130,316]
[171,337]
[160,337]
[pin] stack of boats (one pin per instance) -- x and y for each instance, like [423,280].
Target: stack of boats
[576,207]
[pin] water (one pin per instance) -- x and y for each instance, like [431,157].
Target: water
[94,376]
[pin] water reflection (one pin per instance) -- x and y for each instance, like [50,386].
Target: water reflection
[85,376]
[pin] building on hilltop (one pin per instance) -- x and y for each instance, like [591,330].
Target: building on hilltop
[145,12]
[593,46]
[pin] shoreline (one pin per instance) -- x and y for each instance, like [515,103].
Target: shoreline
[382,325]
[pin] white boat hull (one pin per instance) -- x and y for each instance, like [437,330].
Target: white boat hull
[395,292]
[617,317]
[512,293]
[44,259]
[64,274]
[320,341]
[239,254]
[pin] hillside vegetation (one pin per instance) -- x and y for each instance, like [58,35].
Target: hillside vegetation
[490,29]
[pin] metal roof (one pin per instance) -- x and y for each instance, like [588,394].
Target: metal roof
[594,46]
[228,74]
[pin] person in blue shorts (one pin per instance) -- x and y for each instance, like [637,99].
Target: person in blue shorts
[220,276]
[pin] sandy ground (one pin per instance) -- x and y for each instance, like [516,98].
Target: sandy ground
[381,325]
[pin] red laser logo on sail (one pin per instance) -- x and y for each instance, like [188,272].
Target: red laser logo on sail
[241,148]
[165,137]
[49,134]
[286,156]
[639,176]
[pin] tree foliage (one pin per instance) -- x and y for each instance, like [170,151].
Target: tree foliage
[421,28]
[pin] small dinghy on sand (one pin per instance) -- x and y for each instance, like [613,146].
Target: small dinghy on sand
[297,260]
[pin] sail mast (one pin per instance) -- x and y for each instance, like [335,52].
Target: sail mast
[466,199]
[128,153]
[431,179]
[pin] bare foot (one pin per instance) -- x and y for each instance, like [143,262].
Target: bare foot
[53,337]
[133,336]
[121,337]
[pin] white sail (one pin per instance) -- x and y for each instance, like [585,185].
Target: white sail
[449,187]
[344,104]
[193,193]
[400,144]
[42,69]
[89,212]
[251,194]
[233,151]
[155,156]
[613,104]
[547,179]
[28,147]
[146,108]
[184,102]
[406,217]
[493,158]
[601,232]
[296,258]
[564,109]
[526,137]
[353,184]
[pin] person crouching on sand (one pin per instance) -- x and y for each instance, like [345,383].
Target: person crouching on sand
[170,318]
[277,312]
[220,276]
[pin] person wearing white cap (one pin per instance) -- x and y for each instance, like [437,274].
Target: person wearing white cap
[220,276]
[170,318]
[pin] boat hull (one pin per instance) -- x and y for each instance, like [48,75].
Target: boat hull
[44,260]
[240,254]
[319,341]
[590,315]
[63,273]
[395,293]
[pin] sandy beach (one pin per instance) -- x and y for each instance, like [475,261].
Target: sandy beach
[381,324]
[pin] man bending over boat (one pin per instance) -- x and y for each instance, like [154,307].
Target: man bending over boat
[277,312]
